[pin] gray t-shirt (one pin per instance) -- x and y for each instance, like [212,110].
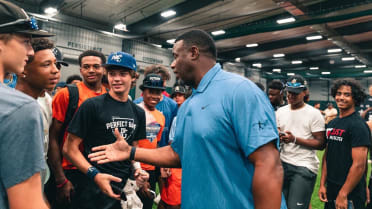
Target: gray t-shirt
[21,140]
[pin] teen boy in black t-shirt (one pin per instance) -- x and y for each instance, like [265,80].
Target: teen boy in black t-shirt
[96,123]
[344,162]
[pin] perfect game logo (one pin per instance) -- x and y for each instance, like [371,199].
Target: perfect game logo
[335,134]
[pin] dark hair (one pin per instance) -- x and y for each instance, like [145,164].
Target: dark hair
[201,39]
[259,85]
[316,103]
[39,44]
[132,73]
[276,84]
[356,90]
[72,78]
[158,69]
[92,53]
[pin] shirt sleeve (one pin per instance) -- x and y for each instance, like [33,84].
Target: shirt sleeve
[80,123]
[60,104]
[360,135]
[21,146]
[317,123]
[138,100]
[254,124]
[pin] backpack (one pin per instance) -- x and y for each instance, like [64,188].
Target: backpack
[73,101]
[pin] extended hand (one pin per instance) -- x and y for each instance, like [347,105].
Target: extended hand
[118,151]
[103,181]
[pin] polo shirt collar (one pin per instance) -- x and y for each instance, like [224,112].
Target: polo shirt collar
[207,78]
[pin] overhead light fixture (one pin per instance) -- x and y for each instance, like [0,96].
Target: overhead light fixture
[317,37]
[121,26]
[296,62]
[157,45]
[259,65]
[348,58]
[277,70]
[237,59]
[50,11]
[251,45]
[367,71]
[314,68]
[326,73]
[334,50]
[360,66]
[218,32]
[290,74]
[278,55]
[171,41]
[168,13]
[286,20]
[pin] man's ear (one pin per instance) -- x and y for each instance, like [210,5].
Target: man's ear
[194,52]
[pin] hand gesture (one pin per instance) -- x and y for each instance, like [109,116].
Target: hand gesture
[141,177]
[287,138]
[322,193]
[103,181]
[118,151]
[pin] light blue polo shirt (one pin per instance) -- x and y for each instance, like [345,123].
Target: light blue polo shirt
[226,119]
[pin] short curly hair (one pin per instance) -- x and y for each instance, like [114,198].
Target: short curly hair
[357,91]
[158,69]
[39,44]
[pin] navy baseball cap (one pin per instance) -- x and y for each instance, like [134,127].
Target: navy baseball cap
[179,89]
[152,81]
[59,56]
[14,19]
[296,84]
[121,59]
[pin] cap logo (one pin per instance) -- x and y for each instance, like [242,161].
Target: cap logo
[117,57]
[294,80]
[154,79]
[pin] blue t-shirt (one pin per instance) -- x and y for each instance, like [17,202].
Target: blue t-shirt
[169,109]
[226,119]
[21,140]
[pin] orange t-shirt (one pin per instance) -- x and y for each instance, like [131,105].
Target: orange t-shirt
[60,104]
[171,193]
[155,121]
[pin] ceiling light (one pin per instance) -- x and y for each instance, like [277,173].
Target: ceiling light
[157,45]
[367,71]
[348,58]
[334,50]
[290,74]
[259,65]
[237,59]
[168,13]
[310,38]
[121,26]
[251,45]
[296,62]
[286,20]
[218,32]
[360,66]
[171,41]
[277,70]
[326,73]
[314,68]
[278,55]
[50,11]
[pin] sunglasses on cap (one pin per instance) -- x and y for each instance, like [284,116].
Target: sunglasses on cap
[295,85]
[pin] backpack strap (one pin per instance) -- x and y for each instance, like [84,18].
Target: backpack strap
[73,101]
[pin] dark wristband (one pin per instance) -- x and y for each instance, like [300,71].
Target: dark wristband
[92,172]
[132,153]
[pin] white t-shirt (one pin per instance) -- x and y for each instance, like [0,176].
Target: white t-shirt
[301,123]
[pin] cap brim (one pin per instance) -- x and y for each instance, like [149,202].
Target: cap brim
[295,90]
[63,63]
[36,33]
[120,66]
[142,87]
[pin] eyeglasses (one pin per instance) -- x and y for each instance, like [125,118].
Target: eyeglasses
[295,85]
[30,23]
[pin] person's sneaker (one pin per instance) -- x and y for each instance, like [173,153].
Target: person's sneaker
[157,199]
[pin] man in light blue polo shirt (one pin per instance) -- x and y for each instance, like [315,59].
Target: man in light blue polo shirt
[226,137]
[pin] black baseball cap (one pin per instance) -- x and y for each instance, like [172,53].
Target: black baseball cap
[14,19]
[179,89]
[152,81]
[59,56]
[296,84]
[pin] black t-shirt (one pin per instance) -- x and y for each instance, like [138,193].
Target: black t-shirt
[342,135]
[95,122]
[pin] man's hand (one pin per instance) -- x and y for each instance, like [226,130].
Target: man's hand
[287,138]
[103,181]
[322,193]
[118,151]
[64,193]
[341,201]
[141,177]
